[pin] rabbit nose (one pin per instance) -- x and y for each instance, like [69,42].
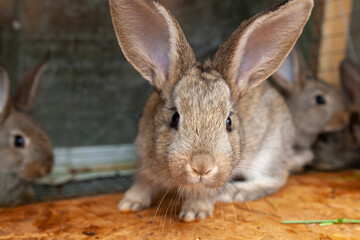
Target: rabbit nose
[204,172]
[202,165]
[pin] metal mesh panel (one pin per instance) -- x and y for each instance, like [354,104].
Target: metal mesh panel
[117,184]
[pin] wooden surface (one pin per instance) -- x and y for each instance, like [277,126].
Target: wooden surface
[307,196]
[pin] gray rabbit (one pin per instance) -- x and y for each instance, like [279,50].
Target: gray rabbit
[25,149]
[316,106]
[341,149]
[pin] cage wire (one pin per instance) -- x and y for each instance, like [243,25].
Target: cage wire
[72,189]
[92,170]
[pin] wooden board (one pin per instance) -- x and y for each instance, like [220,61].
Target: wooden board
[307,196]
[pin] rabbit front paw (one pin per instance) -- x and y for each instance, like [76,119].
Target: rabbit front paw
[136,198]
[250,190]
[234,196]
[196,210]
[300,159]
[129,205]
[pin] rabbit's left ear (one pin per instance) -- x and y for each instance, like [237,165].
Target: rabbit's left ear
[4,94]
[26,93]
[259,46]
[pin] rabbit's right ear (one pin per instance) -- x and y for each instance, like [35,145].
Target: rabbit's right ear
[4,94]
[259,46]
[350,79]
[287,75]
[152,41]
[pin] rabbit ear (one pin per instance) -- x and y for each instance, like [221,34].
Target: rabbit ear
[258,47]
[4,94]
[26,93]
[350,78]
[292,73]
[288,73]
[152,41]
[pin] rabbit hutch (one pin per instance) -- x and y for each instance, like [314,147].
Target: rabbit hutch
[90,100]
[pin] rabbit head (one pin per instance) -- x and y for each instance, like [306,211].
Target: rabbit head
[316,106]
[190,131]
[25,148]
[342,148]
[350,79]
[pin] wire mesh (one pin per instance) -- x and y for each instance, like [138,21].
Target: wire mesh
[116,184]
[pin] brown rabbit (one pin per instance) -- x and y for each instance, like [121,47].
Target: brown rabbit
[316,106]
[25,148]
[341,149]
[210,123]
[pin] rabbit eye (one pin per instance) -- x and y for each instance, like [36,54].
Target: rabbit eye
[19,141]
[175,121]
[323,138]
[228,124]
[320,99]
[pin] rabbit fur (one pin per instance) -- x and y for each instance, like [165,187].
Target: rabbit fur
[316,106]
[211,131]
[341,149]
[25,149]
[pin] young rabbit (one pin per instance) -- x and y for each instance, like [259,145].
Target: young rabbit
[25,148]
[208,125]
[341,149]
[316,106]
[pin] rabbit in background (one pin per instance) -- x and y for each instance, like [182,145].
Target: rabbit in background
[25,149]
[341,149]
[316,107]
[208,125]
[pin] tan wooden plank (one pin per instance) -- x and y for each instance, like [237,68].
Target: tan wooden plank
[307,196]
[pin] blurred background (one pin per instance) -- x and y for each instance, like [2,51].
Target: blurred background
[91,98]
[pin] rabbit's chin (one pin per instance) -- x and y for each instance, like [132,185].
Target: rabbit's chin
[197,184]
[36,169]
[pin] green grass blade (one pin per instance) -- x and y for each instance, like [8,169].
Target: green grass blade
[322,222]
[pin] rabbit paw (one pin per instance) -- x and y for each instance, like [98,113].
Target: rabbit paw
[250,190]
[128,205]
[190,215]
[300,159]
[135,199]
[192,211]
[235,196]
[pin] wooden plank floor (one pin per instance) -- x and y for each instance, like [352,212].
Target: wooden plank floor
[307,196]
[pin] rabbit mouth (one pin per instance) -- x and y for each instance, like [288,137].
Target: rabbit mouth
[337,122]
[200,182]
[37,169]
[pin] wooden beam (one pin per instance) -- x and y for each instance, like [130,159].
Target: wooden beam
[335,27]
